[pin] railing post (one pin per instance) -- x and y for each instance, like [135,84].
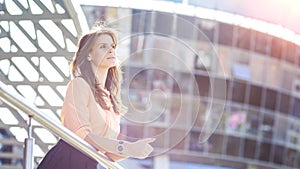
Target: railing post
[28,149]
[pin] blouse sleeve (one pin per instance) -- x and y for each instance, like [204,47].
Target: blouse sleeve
[75,113]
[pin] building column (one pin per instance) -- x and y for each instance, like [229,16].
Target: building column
[162,162]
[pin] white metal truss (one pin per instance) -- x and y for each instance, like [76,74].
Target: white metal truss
[37,42]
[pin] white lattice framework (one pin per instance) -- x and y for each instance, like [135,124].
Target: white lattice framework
[37,41]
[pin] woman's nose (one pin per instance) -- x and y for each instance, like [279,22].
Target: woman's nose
[110,50]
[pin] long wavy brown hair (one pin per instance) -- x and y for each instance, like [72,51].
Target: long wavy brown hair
[81,67]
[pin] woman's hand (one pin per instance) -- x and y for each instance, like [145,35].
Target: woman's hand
[139,149]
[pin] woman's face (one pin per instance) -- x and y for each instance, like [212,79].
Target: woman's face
[102,53]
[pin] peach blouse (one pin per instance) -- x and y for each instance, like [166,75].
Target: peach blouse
[82,114]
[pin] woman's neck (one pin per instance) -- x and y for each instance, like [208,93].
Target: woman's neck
[101,75]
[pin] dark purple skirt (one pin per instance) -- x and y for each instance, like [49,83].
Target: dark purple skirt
[65,156]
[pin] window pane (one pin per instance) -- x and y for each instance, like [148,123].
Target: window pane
[238,91]
[272,72]
[136,55]
[291,157]
[264,151]
[276,48]
[233,146]
[137,78]
[249,148]
[267,126]
[296,107]
[236,119]
[244,38]
[225,34]
[284,103]
[270,101]
[177,138]
[278,157]
[252,122]
[194,142]
[157,49]
[255,95]
[225,57]
[198,112]
[289,75]
[219,88]
[258,68]
[207,30]
[293,134]
[141,21]
[241,71]
[179,113]
[290,52]
[163,23]
[185,27]
[223,123]
[182,83]
[161,80]
[203,59]
[262,43]
[203,83]
[241,56]
[215,143]
[281,128]
[134,132]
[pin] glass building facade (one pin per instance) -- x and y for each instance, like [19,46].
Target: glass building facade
[259,124]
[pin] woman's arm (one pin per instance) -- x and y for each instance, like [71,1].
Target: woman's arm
[139,149]
[114,157]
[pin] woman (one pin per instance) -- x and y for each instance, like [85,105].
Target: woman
[91,107]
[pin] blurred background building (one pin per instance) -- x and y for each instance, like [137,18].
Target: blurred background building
[216,82]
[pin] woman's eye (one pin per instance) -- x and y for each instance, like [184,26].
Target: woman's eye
[106,46]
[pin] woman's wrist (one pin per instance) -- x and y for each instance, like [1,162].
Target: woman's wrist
[122,148]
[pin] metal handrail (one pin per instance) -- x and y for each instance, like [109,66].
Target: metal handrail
[17,101]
